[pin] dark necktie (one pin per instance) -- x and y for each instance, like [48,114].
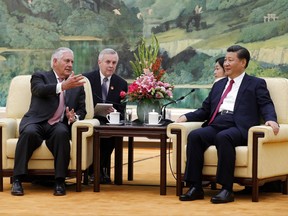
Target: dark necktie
[58,114]
[104,89]
[221,101]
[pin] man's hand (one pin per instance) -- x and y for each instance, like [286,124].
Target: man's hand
[73,81]
[110,109]
[71,115]
[182,118]
[274,125]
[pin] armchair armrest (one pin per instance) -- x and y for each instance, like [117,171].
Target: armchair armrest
[185,128]
[269,135]
[9,126]
[87,126]
[269,150]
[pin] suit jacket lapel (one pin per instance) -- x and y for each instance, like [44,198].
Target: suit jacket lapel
[219,89]
[111,87]
[245,83]
[51,77]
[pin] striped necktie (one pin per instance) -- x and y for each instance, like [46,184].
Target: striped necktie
[61,107]
[104,89]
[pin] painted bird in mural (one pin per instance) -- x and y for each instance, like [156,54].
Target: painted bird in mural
[117,11]
[139,16]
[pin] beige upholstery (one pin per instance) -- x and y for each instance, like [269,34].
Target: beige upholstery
[270,160]
[42,161]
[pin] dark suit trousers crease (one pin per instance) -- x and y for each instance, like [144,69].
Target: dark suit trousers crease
[225,136]
[57,140]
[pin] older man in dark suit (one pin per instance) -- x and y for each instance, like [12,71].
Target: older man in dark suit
[233,105]
[58,99]
[113,85]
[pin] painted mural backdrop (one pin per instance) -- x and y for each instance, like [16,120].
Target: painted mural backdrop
[192,34]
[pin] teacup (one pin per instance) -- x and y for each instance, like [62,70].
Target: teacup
[154,117]
[113,117]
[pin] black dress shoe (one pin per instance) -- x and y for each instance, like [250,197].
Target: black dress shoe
[224,196]
[105,179]
[17,189]
[192,194]
[59,189]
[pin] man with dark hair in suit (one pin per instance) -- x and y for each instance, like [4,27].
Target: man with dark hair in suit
[114,84]
[58,100]
[234,104]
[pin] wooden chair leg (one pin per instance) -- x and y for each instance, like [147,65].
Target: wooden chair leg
[285,186]
[1,183]
[255,193]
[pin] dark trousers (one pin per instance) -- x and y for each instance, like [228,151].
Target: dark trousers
[225,136]
[107,146]
[57,139]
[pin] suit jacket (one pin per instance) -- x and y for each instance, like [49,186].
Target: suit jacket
[253,102]
[117,84]
[45,101]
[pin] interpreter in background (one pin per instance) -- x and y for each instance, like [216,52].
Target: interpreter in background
[219,71]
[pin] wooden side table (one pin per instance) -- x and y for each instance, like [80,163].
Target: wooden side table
[134,130]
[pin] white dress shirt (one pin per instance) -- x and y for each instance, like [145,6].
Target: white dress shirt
[229,101]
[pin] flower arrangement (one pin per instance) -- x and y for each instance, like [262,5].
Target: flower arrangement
[149,84]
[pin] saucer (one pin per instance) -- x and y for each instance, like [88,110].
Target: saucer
[158,124]
[115,124]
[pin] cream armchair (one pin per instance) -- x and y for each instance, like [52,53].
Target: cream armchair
[264,159]
[42,161]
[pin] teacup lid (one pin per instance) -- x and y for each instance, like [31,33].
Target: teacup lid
[115,112]
[153,112]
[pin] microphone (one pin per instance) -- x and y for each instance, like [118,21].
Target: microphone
[183,97]
[163,109]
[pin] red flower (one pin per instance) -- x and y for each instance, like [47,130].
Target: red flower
[157,70]
[122,94]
